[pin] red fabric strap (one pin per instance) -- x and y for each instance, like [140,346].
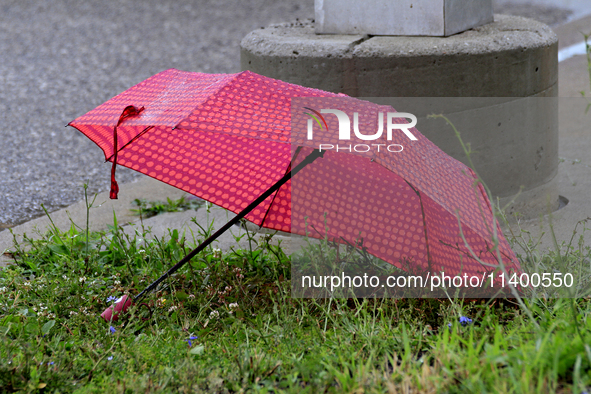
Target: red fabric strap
[128,112]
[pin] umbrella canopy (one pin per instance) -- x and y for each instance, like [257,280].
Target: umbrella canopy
[227,138]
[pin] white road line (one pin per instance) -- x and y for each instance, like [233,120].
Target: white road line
[573,50]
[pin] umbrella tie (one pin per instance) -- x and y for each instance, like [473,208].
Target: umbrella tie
[128,112]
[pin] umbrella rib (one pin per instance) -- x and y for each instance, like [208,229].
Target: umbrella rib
[273,200]
[297,152]
[424,223]
[132,140]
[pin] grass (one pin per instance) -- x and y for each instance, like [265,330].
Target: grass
[148,209]
[227,323]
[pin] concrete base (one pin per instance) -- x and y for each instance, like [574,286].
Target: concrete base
[516,150]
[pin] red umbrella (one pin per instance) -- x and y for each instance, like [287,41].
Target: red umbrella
[228,138]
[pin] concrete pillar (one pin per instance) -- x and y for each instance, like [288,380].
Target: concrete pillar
[401,17]
[515,139]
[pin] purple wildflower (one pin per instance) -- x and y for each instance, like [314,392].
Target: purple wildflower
[111,299]
[112,329]
[465,320]
[191,339]
[110,358]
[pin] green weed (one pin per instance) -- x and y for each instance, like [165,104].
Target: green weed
[148,209]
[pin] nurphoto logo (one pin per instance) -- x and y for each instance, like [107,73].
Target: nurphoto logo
[344,120]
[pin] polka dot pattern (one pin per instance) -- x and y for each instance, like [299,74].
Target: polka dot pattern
[229,137]
[446,189]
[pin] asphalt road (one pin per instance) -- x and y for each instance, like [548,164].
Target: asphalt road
[61,58]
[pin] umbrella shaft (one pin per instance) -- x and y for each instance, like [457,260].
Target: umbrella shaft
[309,159]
